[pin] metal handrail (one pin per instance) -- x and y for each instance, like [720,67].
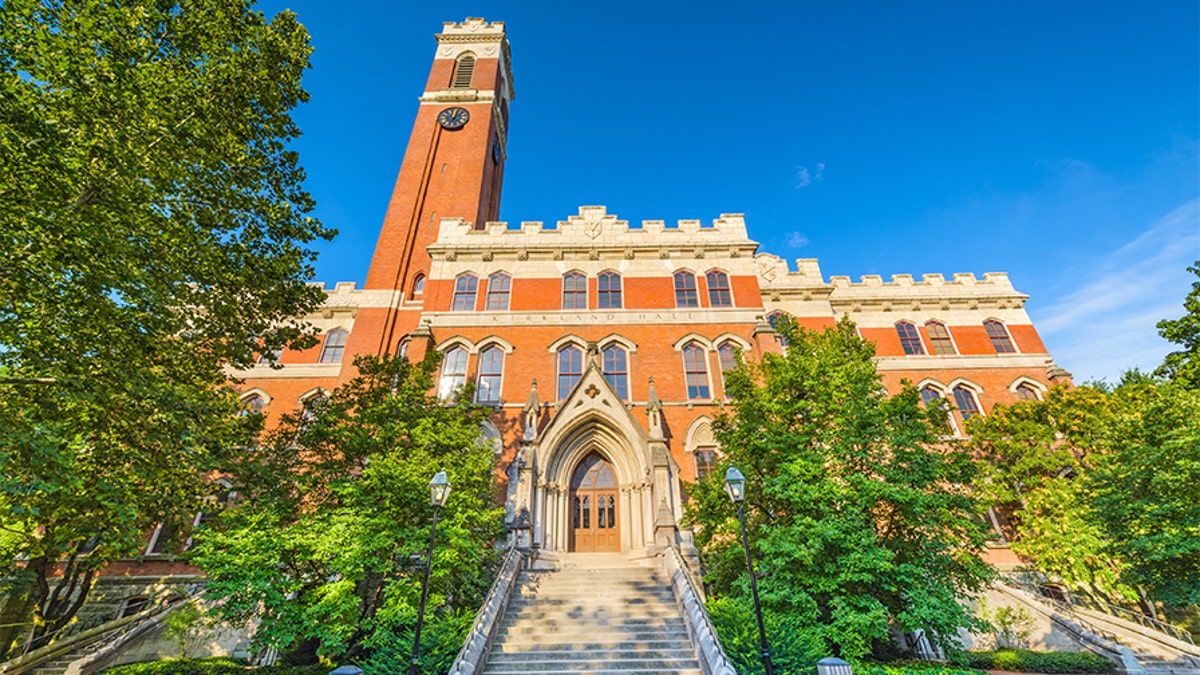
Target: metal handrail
[1115,610]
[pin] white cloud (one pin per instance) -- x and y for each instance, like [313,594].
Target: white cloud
[1105,323]
[797,240]
[804,178]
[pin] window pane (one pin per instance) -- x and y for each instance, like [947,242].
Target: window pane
[335,345]
[491,366]
[696,372]
[965,400]
[574,291]
[705,459]
[685,290]
[999,337]
[616,370]
[718,290]
[910,339]
[609,286]
[465,288]
[939,337]
[587,513]
[570,368]
[454,371]
[1027,393]
[499,286]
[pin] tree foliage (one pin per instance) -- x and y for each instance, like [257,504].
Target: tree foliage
[859,512]
[155,231]
[326,541]
[1183,366]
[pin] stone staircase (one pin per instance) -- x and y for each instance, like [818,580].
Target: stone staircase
[598,613]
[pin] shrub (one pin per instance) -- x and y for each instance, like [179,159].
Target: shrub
[913,668]
[1025,661]
[211,666]
[794,649]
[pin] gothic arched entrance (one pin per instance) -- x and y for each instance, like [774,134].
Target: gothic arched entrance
[593,503]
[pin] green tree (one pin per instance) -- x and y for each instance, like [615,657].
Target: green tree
[1183,366]
[155,232]
[334,517]
[860,514]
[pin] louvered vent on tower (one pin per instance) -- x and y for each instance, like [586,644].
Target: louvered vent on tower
[463,71]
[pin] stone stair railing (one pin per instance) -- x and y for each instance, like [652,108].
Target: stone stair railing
[1119,612]
[713,660]
[474,653]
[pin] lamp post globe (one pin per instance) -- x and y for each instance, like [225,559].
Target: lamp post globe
[439,490]
[735,485]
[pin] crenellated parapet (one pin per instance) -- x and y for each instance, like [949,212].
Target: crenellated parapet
[595,234]
[965,296]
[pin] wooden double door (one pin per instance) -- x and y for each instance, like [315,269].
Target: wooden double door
[593,506]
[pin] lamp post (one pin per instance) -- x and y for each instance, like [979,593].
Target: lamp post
[735,487]
[439,490]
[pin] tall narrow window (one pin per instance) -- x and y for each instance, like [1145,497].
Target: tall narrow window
[706,460]
[463,70]
[685,290]
[999,337]
[253,405]
[574,294]
[775,318]
[335,345]
[1026,392]
[931,396]
[910,338]
[418,285]
[695,370]
[491,367]
[570,369]
[939,337]
[727,355]
[609,285]
[616,370]
[967,404]
[454,372]
[718,289]
[465,288]
[499,286]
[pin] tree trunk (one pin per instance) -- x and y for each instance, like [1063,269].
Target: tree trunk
[1146,604]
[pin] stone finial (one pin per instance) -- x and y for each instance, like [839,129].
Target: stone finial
[1055,373]
[654,408]
[531,413]
[762,326]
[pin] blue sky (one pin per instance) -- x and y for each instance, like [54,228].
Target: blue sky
[1055,141]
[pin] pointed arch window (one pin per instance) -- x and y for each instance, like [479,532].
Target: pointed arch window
[499,289]
[463,70]
[706,461]
[967,404]
[775,318]
[939,337]
[931,397]
[719,294]
[685,290]
[335,346]
[727,356]
[574,292]
[454,372]
[1026,392]
[570,369]
[910,338]
[418,285]
[616,370]
[491,368]
[998,334]
[609,286]
[252,405]
[695,371]
[465,288]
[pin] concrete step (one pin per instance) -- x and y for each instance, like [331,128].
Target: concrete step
[594,633]
[595,666]
[593,654]
[535,670]
[537,645]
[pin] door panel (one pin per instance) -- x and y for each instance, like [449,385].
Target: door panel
[594,518]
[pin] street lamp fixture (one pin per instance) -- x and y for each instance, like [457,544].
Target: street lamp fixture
[735,487]
[439,491]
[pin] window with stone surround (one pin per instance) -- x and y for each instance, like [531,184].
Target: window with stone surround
[491,368]
[727,355]
[335,346]
[570,369]
[998,334]
[695,370]
[454,372]
[931,397]
[1027,392]
[464,68]
[465,288]
[499,288]
[685,290]
[719,294]
[609,287]
[939,337]
[616,370]
[252,405]
[574,291]
[968,405]
[910,338]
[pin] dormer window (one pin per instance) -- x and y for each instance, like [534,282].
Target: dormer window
[463,70]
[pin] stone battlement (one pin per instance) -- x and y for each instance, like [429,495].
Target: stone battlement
[995,280]
[473,26]
[594,227]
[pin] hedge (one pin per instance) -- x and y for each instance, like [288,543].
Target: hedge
[211,666]
[1025,661]
[913,668]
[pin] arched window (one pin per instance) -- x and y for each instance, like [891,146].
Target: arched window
[774,318]
[718,289]
[499,285]
[910,339]
[491,367]
[616,370]
[695,371]
[574,292]
[335,345]
[418,285]
[931,397]
[454,372]
[706,461]
[727,355]
[252,405]
[967,404]
[998,334]
[463,70]
[609,285]
[465,287]
[311,405]
[1026,392]
[685,289]
[570,369]
[939,337]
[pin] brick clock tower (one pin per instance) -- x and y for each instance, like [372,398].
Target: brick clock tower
[453,168]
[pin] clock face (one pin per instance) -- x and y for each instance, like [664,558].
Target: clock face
[495,151]
[453,118]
